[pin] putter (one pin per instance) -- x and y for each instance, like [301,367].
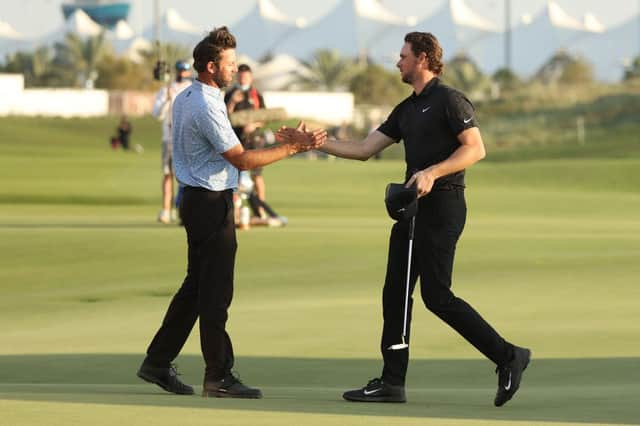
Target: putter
[404,344]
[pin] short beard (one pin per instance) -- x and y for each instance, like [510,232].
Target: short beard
[217,79]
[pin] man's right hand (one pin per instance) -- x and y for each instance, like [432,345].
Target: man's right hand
[292,141]
[300,139]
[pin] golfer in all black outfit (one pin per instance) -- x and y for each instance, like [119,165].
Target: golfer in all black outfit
[441,139]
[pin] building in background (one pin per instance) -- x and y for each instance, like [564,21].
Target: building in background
[105,12]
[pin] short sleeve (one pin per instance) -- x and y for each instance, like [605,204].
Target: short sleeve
[460,112]
[214,125]
[391,126]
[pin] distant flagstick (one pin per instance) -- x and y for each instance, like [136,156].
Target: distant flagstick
[156,24]
[507,34]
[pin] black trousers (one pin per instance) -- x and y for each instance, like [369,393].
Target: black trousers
[207,289]
[439,223]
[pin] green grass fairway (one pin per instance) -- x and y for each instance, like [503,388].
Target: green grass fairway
[550,256]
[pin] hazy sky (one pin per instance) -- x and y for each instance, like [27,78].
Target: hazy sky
[38,17]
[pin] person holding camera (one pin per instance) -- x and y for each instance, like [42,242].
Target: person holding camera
[244,96]
[162,110]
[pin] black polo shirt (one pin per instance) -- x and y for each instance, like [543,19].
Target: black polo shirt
[429,124]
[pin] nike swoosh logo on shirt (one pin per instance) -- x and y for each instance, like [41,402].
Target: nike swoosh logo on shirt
[467,120]
[366,392]
[426,109]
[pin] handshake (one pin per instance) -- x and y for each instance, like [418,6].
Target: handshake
[300,139]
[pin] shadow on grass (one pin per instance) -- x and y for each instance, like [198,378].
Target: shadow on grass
[560,390]
[74,199]
[141,225]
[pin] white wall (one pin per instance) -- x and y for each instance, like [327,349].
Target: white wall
[11,87]
[333,108]
[329,107]
[63,103]
[16,100]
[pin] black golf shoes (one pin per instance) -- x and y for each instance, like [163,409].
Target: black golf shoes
[165,377]
[376,391]
[510,375]
[229,387]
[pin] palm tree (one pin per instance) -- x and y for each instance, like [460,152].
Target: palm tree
[328,71]
[633,70]
[80,57]
[36,67]
[464,74]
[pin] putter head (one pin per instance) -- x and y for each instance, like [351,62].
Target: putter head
[401,202]
[398,347]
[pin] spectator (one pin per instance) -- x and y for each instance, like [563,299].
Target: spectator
[124,131]
[162,110]
[244,96]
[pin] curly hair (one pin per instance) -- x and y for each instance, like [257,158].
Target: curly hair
[210,47]
[427,43]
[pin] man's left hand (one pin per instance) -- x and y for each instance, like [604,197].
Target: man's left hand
[300,139]
[424,180]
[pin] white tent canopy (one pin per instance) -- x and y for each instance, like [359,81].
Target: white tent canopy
[122,31]
[457,27]
[124,41]
[175,29]
[280,73]
[550,30]
[133,48]
[558,18]
[610,52]
[374,11]
[351,28]
[241,58]
[455,24]
[263,28]
[81,24]
[592,24]
[8,32]
[463,16]
[10,40]
[78,23]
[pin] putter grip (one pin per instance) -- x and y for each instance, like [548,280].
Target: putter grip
[412,226]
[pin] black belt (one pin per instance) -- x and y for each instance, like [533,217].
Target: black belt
[202,189]
[448,187]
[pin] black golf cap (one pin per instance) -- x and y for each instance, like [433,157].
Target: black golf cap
[401,202]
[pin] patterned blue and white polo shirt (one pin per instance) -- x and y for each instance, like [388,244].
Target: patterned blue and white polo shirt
[201,134]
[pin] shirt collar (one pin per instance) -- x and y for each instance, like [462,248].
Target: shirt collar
[427,88]
[209,90]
